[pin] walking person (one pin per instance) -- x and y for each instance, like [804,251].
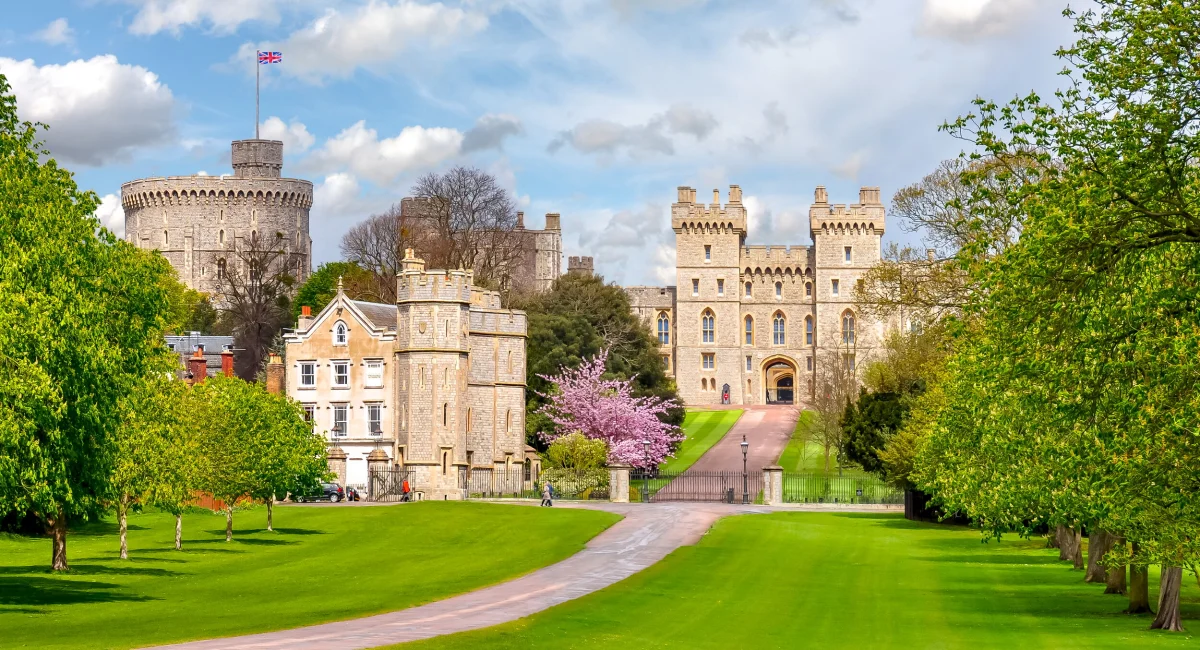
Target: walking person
[547,492]
[406,491]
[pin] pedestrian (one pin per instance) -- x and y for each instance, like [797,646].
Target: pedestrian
[547,492]
[406,491]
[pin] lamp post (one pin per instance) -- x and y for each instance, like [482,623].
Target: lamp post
[646,473]
[745,474]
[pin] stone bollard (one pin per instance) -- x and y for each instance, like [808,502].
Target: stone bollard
[618,483]
[773,485]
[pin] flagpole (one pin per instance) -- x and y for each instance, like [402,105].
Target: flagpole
[256,84]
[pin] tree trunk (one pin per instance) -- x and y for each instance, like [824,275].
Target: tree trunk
[1070,545]
[229,523]
[1114,582]
[1061,542]
[123,521]
[179,531]
[1168,600]
[1139,587]
[58,529]
[1099,542]
[270,507]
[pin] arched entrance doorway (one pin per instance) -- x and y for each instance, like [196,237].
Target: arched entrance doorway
[779,380]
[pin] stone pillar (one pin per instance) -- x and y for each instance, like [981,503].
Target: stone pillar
[377,461]
[618,483]
[275,375]
[773,485]
[337,464]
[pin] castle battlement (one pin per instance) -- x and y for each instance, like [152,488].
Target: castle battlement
[796,257]
[689,216]
[866,217]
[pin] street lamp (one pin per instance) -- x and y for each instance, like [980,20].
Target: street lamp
[745,474]
[646,473]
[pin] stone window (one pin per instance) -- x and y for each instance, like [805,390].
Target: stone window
[308,374]
[707,253]
[808,363]
[779,327]
[848,255]
[704,383]
[664,329]
[508,421]
[709,360]
[708,326]
[341,414]
[848,362]
[374,377]
[340,333]
[341,374]
[666,362]
[749,363]
[695,286]
[778,290]
[749,330]
[808,289]
[510,366]
[166,239]
[221,238]
[445,414]
[808,330]
[221,269]
[375,419]
[720,287]
[833,287]
[748,292]
[848,327]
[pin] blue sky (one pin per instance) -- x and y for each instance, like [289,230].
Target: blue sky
[596,109]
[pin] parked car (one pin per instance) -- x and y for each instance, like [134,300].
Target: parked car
[331,492]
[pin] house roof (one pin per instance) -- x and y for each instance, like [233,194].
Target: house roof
[381,315]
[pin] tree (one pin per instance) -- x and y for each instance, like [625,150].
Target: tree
[581,400]
[576,451]
[836,384]
[226,411]
[254,288]
[285,453]
[377,246]
[82,316]
[467,221]
[868,424]
[321,287]
[180,465]
[142,445]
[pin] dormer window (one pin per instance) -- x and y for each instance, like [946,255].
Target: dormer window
[340,333]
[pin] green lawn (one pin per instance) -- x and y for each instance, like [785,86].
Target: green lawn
[841,580]
[703,429]
[809,458]
[323,563]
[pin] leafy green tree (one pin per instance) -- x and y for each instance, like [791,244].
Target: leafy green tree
[868,424]
[82,316]
[141,443]
[320,287]
[576,451]
[226,407]
[285,453]
[179,462]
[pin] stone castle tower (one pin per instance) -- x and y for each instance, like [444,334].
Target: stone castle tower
[757,324]
[199,222]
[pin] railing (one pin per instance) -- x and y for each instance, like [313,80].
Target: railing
[728,487]
[387,484]
[816,488]
[513,484]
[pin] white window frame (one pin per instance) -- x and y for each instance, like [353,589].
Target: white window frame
[311,366]
[374,416]
[333,415]
[341,364]
[341,333]
[373,379]
[708,360]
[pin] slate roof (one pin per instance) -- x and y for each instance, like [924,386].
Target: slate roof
[380,315]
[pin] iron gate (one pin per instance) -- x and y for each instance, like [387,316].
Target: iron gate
[387,484]
[728,487]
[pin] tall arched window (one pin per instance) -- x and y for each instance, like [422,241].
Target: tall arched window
[664,329]
[704,383]
[221,238]
[779,326]
[748,287]
[508,420]
[445,414]
[510,362]
[708,326]
[808,289]
[166,239]
[749,330]
[340,333]
[808,330]
[848,327]
[221,269]
[778,289]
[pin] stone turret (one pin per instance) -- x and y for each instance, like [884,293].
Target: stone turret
[580,265]
[257,158]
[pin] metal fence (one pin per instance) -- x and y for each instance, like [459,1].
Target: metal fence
[516,483]
[489,483]
[816,488]
[728,487]
[387,484]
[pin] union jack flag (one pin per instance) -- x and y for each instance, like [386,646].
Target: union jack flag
[265,58]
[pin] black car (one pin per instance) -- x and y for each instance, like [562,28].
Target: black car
[331,492]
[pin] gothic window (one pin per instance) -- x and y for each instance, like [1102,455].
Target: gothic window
[720,287]
[808,330]
[221,269]
[508,421]
[833,286]
[808,289]
[778,290]
[848,256]
[255,271]
[749,330]
[221,238]
[808,363]
[707,253]
[704,384]
[748,293]
[749,363]
[664,329]
[779,327]
[708,326]
[848,327]
[166,239]
[695,286]
[340,333]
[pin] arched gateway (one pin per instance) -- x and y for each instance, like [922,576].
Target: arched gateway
[779,380]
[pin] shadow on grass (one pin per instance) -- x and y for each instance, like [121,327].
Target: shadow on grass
[49,591]
[997,558]
[101,528]
[241,539]
[285,531]
[89,570]
[186,549]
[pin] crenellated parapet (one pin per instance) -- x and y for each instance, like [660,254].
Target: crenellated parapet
[690,217]
[866,217]
[216,191]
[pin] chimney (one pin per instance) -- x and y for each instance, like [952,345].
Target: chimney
[227,361]
[684,194]
[553,221]
[868,196]
[717,198]
[931,254]
[275,375]
[198,365]
[306,319]
[820,196]
[735,194]
[411,262]
[520,220]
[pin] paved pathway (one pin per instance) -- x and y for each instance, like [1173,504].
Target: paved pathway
[767,429]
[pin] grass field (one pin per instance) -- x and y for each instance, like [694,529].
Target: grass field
[818,580]
[809,458]
[323,563]
[703,429]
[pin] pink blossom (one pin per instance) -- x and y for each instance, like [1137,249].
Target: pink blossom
[582,400]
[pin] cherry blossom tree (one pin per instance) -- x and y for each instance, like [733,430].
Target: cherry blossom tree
[582,400]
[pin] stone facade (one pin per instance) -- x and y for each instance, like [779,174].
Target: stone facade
[445,366]
[196,222]
[760,321]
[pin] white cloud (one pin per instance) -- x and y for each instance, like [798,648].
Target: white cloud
[850,167]
[58,32]
[98,110]
[360,150]
[335,194]
[294,135]
[489,132]
[337,43]
[111,214]
[156,16]
[664,264]
[609,137]
[966,19]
